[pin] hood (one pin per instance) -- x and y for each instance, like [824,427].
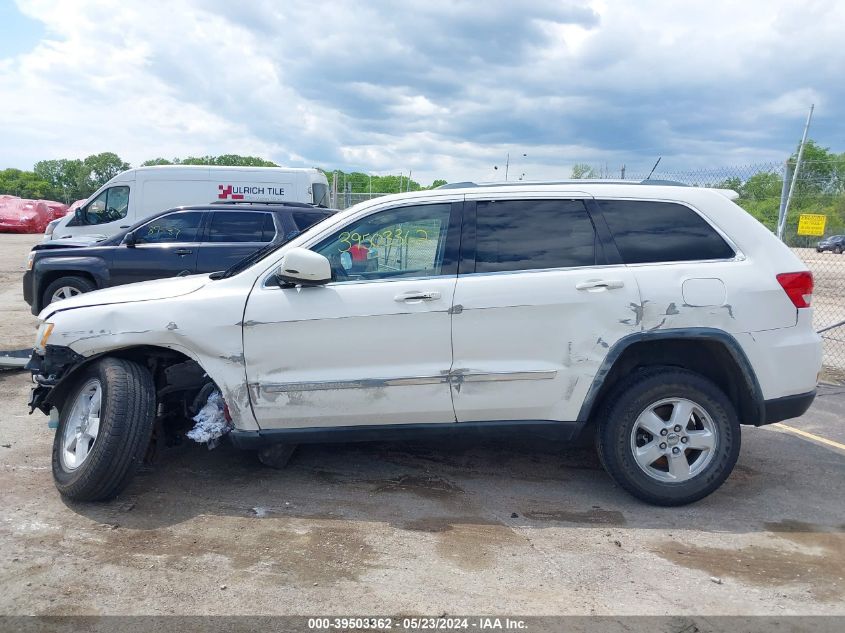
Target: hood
[131,293]
[75,242]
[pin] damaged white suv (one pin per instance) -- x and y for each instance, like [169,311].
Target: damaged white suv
[658,318]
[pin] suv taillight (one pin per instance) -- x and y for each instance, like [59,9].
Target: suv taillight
[798,287]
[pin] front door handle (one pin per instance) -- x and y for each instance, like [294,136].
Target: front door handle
[416,295]
[183,251]
[596,285]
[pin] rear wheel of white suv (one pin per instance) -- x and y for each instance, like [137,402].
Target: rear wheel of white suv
[668,436]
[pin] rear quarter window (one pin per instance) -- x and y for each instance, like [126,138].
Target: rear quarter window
[648,231]
[305,220]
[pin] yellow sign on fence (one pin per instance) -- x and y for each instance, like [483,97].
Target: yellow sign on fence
[811,224]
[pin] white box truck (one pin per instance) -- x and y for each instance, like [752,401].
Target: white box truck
[138,193]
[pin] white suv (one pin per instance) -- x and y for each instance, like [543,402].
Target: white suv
[658,318]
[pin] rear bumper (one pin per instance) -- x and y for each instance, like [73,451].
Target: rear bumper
[787,407]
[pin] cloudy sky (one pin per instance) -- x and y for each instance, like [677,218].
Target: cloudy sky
[446,89]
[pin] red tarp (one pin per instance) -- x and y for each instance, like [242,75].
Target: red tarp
[19,215]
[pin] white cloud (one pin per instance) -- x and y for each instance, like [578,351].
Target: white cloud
[444,89]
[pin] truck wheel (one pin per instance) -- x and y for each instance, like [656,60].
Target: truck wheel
[65,288]
[104,429]
[668,436]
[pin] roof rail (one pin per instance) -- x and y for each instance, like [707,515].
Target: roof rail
[571,181]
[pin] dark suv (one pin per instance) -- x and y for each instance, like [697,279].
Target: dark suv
[186,240]
[835,243]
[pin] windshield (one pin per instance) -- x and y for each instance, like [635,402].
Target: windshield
[320,192]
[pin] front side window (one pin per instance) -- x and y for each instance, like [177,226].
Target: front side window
[241,226]
[171,228]
[403,242]
[111,205]
[533,234]
[648,231]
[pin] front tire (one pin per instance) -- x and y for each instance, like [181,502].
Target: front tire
[104,429]
[668,436]
[65,288]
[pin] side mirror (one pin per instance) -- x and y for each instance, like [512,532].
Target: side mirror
[304,267]
[129,239]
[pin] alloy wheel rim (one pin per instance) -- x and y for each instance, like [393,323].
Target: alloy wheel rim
[674,440]
[65,292]
[83,425]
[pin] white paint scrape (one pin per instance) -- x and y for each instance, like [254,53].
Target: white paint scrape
[211,423]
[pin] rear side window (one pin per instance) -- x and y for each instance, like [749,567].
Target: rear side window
[240,226]
[306,220]
[533,234]
[648,231]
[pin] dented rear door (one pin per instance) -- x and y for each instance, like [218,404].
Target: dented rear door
[538,303]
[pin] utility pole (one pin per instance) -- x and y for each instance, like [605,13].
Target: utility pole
[507,165]
[410,173]
[623,172]
[782,220]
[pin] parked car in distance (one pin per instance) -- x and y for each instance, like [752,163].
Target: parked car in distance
[140,193]
[655,319]
[185,240]
[834,243]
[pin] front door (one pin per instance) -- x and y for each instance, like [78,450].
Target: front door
[374,346]
[164,247]
[537,305]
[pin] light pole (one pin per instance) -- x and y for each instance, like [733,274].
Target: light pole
[508,164]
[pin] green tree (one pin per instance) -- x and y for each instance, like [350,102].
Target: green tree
[438,183]
[67,178]
[583,170]
[158,161]
[25,184]
[101,168]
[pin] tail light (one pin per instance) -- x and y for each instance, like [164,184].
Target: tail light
[798,287]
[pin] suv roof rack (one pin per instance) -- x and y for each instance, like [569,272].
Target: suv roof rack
[571,181]
[304,205]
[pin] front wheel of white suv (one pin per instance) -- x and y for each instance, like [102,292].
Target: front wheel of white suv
[104,430]
[668,436]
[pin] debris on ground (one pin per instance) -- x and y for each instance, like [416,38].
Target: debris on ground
[14,359]
[716,580]
[211,421]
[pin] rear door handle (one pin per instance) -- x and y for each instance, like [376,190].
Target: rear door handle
[416,295]
[183,251]
[596,285]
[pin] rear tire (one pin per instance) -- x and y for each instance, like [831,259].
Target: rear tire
[837,250]
[102,439]
[66,287]
[693,444]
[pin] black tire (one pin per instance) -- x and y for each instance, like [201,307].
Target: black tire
[79,283]
[126,418]
[837,250]
[631,397]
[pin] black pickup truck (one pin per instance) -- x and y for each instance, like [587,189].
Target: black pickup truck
[186,240]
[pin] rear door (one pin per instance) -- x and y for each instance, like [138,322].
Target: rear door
[537,304]
[164,247]
[232,235]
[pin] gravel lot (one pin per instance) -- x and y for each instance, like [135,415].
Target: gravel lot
[529,528]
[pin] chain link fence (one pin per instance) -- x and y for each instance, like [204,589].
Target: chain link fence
[762,188]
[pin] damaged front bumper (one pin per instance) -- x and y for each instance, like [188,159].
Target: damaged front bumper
[48,373]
